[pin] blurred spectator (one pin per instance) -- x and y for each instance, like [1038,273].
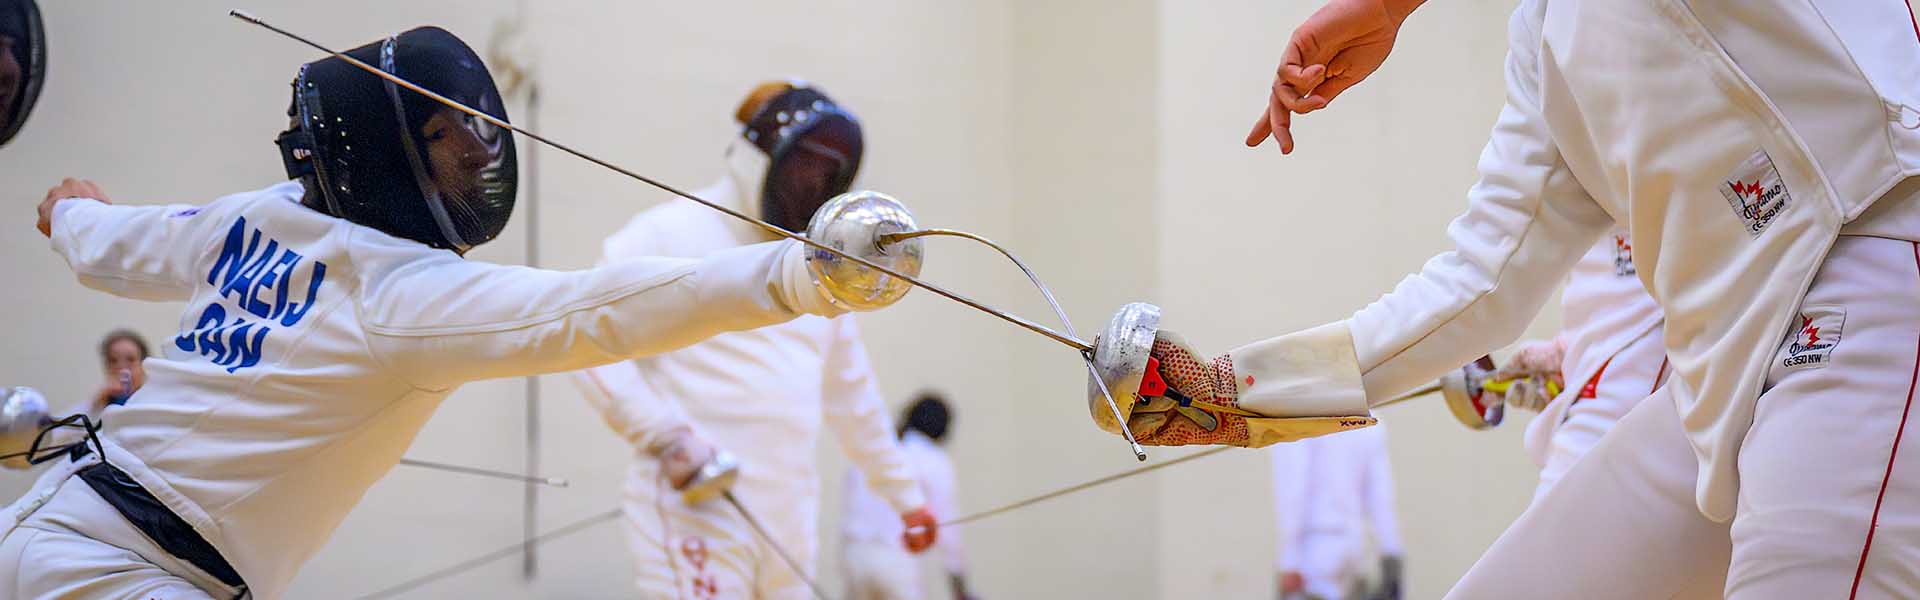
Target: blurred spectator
[877,567]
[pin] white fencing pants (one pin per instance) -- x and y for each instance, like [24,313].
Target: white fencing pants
[880,570]
[75,545]
[1629,376]
[703,552]
[1829,501]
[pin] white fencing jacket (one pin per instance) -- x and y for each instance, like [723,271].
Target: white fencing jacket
[760,394]
[313,350]
[1731,138]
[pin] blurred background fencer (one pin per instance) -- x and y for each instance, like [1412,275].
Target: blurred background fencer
[876,566]
[1339,537]
[1610,348]
[760,395]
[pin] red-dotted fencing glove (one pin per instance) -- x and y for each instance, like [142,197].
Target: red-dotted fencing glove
[1185,400]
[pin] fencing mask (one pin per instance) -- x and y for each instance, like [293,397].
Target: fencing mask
[812,144]
[23,63]
[388,158]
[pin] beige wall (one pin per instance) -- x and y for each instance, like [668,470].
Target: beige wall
[1100,140]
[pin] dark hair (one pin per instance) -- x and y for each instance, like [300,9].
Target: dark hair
[928,415]
[106,343]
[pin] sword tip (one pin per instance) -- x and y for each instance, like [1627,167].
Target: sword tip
[244,16]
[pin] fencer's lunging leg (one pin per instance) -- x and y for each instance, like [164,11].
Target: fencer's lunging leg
[1622,523]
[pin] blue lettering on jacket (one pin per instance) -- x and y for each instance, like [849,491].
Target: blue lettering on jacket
[255,281]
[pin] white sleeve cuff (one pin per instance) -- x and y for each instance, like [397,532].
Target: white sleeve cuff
[797,288]
[61,232]
[1311,373]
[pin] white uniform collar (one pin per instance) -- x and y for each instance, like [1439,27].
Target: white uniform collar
[747,176]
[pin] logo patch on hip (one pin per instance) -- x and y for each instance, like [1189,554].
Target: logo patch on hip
[1623,255]
[1755,192]
[1812,342]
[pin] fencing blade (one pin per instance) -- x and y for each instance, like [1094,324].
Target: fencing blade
[1421,391]
[767,537]
[482,560]
[1082,487]
[548,481]
[1086,355]
[1069,340]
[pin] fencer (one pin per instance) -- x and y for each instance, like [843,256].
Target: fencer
[327,317]
[1609,345]
[760,395]
[876,566]
[1338,536]
[1759,154]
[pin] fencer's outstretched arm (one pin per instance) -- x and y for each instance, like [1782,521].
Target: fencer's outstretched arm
[1527,221]
[441,321]
[619,390]
[858,415]
[139,252]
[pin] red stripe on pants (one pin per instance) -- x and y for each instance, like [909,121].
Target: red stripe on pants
[1874,523]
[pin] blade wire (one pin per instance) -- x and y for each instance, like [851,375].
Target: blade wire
[1082,487]
[484,559]
[529,479]
[766,536]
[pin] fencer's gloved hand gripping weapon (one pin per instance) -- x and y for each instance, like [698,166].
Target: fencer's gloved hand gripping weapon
[1477,394]
[1170,396]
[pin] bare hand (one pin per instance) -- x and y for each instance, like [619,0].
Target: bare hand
[1337,47]
[682,457]
[104,397]
[68,188]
